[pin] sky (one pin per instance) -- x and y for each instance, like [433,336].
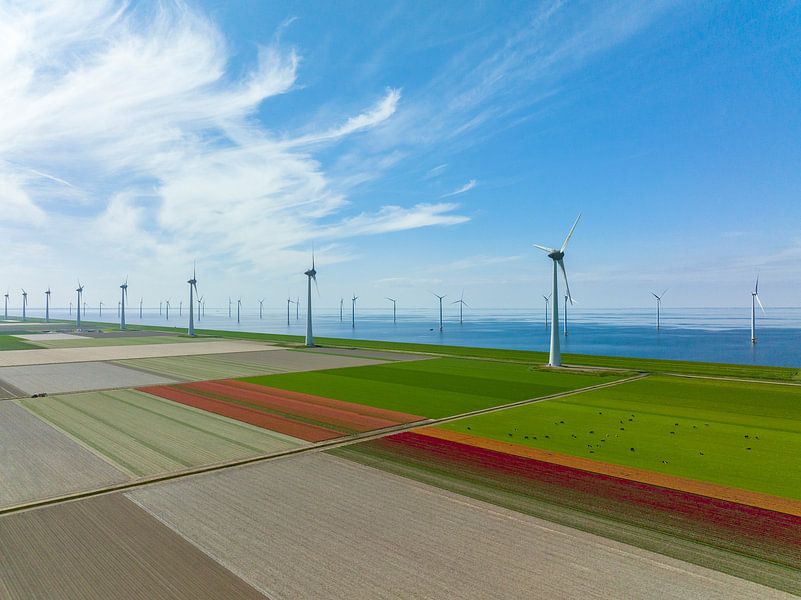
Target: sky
[417,147]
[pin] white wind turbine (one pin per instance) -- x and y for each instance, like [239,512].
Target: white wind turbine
[5,313]
[311,274]
[79,289]
[24,303]
[558,256]
[394,308]
[47,305]
[229,307]
[755,299]
[440,308]
[70,313]
[123,298]
[100,308]
[289,302]
[547,301]
[167,308]
[461,304]
[141,300]
[658,307]
[160,304]
[192,289]
[261,308]
[297,308]
[238,309]
[180,308]
[353,310]
[341,302]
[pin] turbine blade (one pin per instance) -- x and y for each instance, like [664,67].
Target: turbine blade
[544,248]
[569,235]
[760,303]
[663,293]
[756,287]
[567,285]
[655,296]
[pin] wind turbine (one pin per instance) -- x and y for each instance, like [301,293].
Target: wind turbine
[180,308]
[461,304]
[70,309]
[440,308]
[353,310]
[160,303]
[341,301]
[141,300]
[100,312]
[658,306]
[261,307]
[229,307]
[755,298]
[123,298]
[547,301]
[297,308]
[238,307]
[6,309]
[312,276]
[167,304]
[289,301]
[47,305]
[24,303]
[192,289]
[558,256]
[78,313]
[394,306]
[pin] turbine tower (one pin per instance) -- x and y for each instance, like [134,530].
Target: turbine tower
[289,301]
[78,313]
[229,307]
[24,303]
[47,305]
[394,307]
[261,308]
[238,307]
[353,310]
[5,314]
[160,303]
[547,301]
[167,305]
[557,256]
[297,308]
[658,307]
[141,300]
[192,289]
[100,308]
[440,308]
[123,298]
[180,308]
[461,304]
[754,300]
[312,276]
[341,302]
[70,314]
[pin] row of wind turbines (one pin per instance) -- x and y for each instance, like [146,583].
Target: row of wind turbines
[551,307]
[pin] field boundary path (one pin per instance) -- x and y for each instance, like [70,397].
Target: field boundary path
[316,447]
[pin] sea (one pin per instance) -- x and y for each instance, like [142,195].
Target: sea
[706,334]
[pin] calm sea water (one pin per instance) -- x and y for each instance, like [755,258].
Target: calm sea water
[713,335]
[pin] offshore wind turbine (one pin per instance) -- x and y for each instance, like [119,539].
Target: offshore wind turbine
[70,314]
[78,313]
[558,256]
[47,305]
[261,307]
[311,274]
[229,307]
[341,301]
[180,308]
[192,289]
[141,300]
[297,308]
[100,307]
[440,308]
[123,298]
[160,303]
[353,310]
[238,307]
[755,298]
[461,304]
[24,303]
[658,307]
[5,313]
[394,307]
[289,301]
[167,304]
[547,301]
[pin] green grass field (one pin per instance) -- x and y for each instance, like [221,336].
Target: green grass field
[435,388]
[744,435]
[8,342]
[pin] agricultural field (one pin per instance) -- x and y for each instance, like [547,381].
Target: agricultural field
[308,417]
[76,377]
[106,547]
[11,342]
[438,387]
[40,462]
[79,341]
[743,435]
[316,526]
[242,364]
[145,435]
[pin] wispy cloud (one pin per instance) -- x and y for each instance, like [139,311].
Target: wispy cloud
[461,190]
[156,144]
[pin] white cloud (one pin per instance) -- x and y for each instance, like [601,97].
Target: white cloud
[461,190]
[128,122]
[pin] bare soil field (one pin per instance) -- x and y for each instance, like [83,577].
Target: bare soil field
[37,461]
[315,526]
[11,358]
[106,547]
[76,377]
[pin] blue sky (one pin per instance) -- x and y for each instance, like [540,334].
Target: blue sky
[418,146]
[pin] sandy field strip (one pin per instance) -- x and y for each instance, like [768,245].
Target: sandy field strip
[37,461]
[144,435]
[367,353]
[47,337]
[106,547]
[246,364]
[112,340]
[693,486]
[13,358]
[315,526]
[76,377]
